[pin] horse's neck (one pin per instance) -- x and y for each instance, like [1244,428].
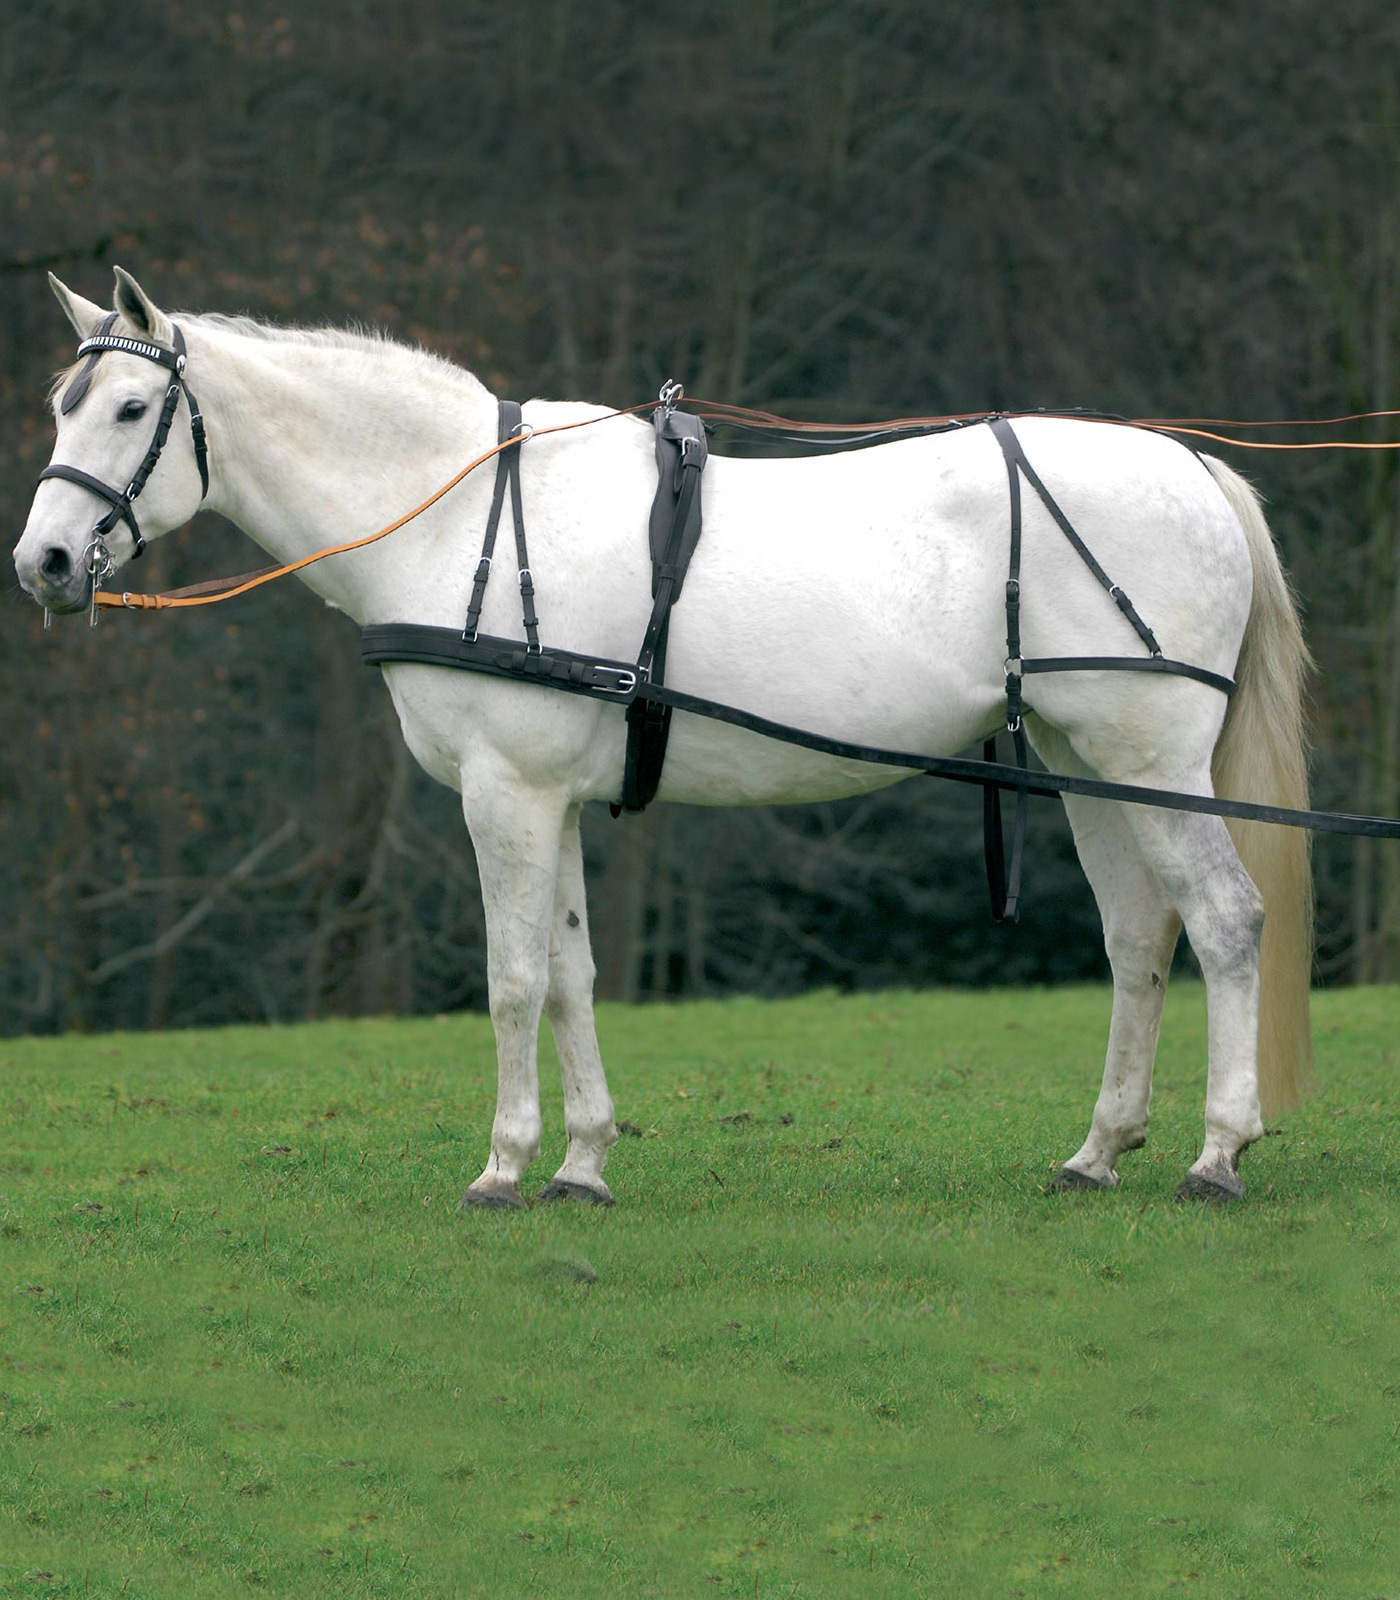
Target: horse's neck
[313,445]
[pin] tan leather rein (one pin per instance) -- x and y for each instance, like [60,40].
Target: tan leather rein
[213,590]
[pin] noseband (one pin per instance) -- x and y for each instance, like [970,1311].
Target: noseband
[119,501]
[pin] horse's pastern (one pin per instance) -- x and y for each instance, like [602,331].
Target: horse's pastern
[1071,1178]
[492,1200]
[1220,1189]
[562,1189]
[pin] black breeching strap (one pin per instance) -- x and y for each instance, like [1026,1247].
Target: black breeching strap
[1003,872]
[681,453]
[1003,878]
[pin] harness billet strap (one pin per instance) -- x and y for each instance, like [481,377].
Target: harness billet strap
[119,501]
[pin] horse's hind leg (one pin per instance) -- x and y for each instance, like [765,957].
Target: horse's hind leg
[1195,861]
[1140,933]
[588,1108]
[1224,917]
[516,833]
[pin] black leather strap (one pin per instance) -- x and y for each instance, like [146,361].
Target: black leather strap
[387,642]
[676,521]
[498,658]
[963,769]
[121,509]
[1177,669]
[1017,463]
[1003,880]
[509,425]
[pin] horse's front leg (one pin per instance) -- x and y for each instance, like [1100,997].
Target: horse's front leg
[588,1108]
[516,833]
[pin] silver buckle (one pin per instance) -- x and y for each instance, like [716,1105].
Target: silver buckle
[97,558]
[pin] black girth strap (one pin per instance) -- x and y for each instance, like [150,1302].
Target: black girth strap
[498,658]
[681,453]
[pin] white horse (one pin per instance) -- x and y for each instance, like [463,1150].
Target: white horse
[859,595]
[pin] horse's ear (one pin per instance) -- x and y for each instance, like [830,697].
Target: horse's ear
[83,314]
[139,309]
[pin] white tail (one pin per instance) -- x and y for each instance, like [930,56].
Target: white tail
[1262,756]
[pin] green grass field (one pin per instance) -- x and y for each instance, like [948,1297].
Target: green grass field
[833,1340]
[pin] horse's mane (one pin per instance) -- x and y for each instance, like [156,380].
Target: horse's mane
[355,339]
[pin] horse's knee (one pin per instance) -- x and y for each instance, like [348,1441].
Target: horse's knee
[572,973]
[517,997]
[1140,968]
[1226,939]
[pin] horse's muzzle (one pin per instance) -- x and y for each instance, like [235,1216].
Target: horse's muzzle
[54,578]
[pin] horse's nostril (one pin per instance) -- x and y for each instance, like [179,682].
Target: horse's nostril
[57,565]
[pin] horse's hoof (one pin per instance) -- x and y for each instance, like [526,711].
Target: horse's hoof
[562,1189]
[478,1198]
[1214,1191]
[1071,1178]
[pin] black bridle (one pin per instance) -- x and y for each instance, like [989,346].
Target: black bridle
[119,501]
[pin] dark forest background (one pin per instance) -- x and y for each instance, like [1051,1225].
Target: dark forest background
[835,210]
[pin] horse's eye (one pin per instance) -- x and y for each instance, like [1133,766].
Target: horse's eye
[131,410]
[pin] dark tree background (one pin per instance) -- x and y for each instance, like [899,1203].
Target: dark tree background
[840,210]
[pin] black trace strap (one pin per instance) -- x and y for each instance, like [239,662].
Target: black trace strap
[384,643]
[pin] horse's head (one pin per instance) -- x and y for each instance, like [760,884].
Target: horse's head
[113,410]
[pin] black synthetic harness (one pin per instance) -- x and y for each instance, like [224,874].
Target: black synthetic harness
[675,526]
